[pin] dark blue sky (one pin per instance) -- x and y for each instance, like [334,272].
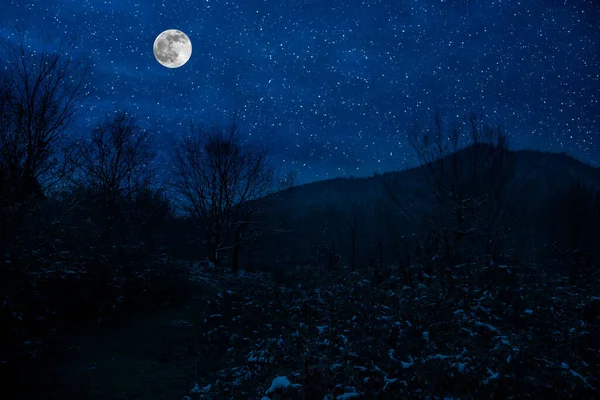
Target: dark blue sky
[331,86]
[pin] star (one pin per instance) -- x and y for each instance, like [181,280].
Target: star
[332,87]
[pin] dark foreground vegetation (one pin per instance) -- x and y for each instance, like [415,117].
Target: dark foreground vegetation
[500,331]
[483,331]
[473,276]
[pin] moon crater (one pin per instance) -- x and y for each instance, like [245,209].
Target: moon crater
[172,48]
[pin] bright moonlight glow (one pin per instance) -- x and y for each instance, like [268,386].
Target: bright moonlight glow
[172,48]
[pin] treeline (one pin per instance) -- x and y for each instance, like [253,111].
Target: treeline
[90,229]
[107,181]
[471,197]
[89,232]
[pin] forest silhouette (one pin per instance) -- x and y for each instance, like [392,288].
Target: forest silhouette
[94,231]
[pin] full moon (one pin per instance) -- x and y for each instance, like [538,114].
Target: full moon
[172,48]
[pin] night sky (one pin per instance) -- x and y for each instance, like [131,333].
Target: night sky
[331,86]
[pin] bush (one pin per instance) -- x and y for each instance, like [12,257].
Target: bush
[63,290]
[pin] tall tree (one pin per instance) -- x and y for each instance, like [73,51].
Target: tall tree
[114,166]
[224,184]
[575,212]
[467,168]
[40,94]
[351,218]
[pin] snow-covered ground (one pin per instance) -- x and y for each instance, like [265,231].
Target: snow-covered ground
[342,337]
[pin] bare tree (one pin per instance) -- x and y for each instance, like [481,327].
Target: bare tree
[39,97]
[352,225]
[115,163]
[39,100]
[467,168]
[224,184]
[575,212]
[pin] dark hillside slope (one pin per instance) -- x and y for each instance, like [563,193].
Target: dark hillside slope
[317,213]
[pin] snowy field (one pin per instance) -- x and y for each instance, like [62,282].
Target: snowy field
[506,332]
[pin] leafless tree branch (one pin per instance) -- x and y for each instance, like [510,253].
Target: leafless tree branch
[225,184]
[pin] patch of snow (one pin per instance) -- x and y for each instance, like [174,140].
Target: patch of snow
[391,354]
[460,366]
[344,338]
[584,380]
[180,323]
[198,389]
[492,375]
[408,364]
[388,381]
[438,357]
[470,332]
[280,382]
[261,357]
[347,396]
[490,327]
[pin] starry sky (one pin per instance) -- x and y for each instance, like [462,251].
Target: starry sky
[332,86]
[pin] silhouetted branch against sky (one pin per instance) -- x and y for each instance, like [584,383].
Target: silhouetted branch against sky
[327,87]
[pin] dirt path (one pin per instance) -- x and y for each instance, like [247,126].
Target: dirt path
[149,356]
[342,337]
[143,358]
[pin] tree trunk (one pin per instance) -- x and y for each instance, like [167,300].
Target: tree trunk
[236,253]
[213,253]
[353,261]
